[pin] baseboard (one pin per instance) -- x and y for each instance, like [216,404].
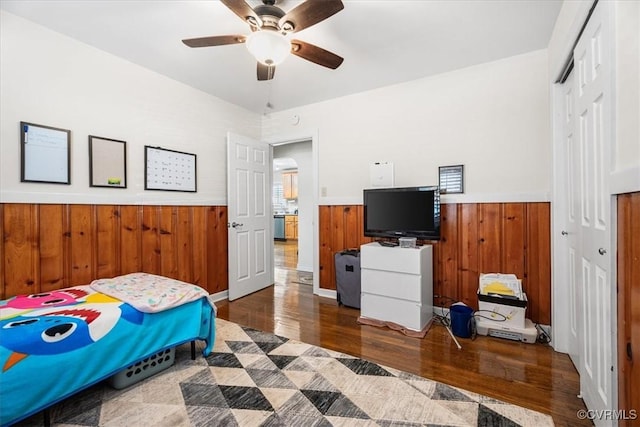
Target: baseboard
[444,312]
[547,330]
[220,296]
[305,268]
[327,293]
[440,311]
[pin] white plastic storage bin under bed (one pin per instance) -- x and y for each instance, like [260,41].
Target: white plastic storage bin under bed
[143,369]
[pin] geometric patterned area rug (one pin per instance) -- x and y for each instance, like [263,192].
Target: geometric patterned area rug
[254,378]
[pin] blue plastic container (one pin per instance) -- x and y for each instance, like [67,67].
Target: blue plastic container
[461,320]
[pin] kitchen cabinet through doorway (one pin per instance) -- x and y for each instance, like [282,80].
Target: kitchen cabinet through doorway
[290,185]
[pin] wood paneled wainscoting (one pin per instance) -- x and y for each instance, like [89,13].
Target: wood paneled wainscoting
[476,238]
[629,304]
[51,246]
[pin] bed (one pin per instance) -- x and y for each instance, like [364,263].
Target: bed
[54,344]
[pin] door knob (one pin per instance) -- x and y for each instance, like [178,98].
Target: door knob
[236,224]
[564,233]
[602,251]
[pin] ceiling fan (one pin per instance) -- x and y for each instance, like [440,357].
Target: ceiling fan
[270,25]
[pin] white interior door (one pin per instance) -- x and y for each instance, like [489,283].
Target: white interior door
[569,202]
[593,131]
[249,214]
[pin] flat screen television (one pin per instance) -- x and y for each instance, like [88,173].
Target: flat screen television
[402,212]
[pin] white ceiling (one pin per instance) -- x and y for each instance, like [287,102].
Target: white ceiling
[383,42]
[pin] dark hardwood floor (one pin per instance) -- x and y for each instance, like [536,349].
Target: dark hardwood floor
[529,375]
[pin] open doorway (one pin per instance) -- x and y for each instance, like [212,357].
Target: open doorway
[292,209]
[285,212]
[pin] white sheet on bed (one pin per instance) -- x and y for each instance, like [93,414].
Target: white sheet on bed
[149,293]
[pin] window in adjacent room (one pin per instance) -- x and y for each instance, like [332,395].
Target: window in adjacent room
[279,202]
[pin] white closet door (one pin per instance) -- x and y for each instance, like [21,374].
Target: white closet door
[569,203]
[593,132]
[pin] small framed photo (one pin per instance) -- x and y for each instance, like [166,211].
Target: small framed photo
[451,179]
[107,162]
[45,154]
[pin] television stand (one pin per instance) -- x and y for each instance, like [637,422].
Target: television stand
[397,284]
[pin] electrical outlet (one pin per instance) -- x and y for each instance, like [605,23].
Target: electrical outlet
[323,191]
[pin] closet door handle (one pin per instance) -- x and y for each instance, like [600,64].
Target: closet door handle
[602,251]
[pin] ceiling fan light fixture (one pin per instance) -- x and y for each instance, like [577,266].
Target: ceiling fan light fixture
[251,20]
[268,47]
[288,27]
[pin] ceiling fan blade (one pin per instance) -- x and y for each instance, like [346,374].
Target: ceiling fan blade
[266,72]
[214,41]
[244,11]
[315,54]
[310,13]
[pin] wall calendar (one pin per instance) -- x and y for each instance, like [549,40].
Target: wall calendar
[169,170]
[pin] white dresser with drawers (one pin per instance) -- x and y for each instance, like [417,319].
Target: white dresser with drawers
[397,284]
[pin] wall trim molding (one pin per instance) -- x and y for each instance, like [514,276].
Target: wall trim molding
[524,197]
[622,182]
[8,196]
[625,180]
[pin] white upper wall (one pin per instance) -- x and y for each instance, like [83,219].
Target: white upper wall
[49,79]
[627,153]
[494,118]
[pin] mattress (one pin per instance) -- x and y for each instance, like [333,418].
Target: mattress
[54,344]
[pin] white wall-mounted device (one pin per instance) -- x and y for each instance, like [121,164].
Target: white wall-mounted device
[381,174]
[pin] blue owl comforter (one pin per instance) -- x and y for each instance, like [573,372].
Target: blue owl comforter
[55,344]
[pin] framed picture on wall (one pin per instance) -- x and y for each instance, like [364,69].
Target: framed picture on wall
[45,154]
[169,170]
[451,179]
[107,162]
